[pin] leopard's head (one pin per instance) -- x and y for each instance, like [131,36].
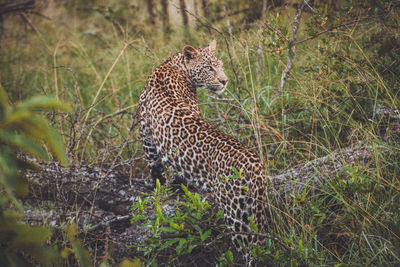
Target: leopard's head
[204,68]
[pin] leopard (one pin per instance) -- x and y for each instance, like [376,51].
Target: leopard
[175,136]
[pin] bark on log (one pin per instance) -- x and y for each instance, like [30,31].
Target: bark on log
[315,172]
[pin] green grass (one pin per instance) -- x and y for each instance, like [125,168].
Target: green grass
[339,79]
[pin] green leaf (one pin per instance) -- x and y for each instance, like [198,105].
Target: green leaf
[181,245]
[28,236]
[25,144]
[187,192]
[16,118]
[158,185]
[169,243]
[81,254]
[140,205]
[159,211]
[197,201]
[42,102]
[38,128]
[168,229]
[300,248]
[52,138]
[198,228]
[219,215]
[229,257]
[205,235]
[277,254]
[174,226]
[11,216]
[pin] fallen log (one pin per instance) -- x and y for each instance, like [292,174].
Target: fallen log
[314,172]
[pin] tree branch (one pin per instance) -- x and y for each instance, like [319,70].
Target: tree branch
[292,49]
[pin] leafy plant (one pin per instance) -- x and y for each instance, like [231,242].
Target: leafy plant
[176,234]
[23,130]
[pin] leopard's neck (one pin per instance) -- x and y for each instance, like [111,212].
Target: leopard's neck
[174,70]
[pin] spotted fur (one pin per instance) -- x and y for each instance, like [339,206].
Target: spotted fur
[175,135]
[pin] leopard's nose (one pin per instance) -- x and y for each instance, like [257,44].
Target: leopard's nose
[223,81]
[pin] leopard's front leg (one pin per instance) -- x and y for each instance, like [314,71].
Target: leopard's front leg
[152,156]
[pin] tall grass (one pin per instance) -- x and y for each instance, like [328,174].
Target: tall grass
[97,58]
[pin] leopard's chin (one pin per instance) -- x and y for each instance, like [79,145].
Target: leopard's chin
[219,89]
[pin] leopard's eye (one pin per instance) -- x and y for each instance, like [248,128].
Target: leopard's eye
[211,68]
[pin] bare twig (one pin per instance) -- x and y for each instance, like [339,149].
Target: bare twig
[312,9]
[143,52]
[292,49]
[331,29]
[135,121]
[74,127]
[260,62]
[277,31]
[328,30]
[149,50]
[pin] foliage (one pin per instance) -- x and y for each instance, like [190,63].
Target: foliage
[22,130]
[178,231]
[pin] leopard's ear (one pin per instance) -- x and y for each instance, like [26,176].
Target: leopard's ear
[212,45]
[189,52]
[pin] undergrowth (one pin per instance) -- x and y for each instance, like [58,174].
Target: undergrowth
[183,232]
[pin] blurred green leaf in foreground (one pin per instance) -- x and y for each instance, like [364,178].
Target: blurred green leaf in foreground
[24,130]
